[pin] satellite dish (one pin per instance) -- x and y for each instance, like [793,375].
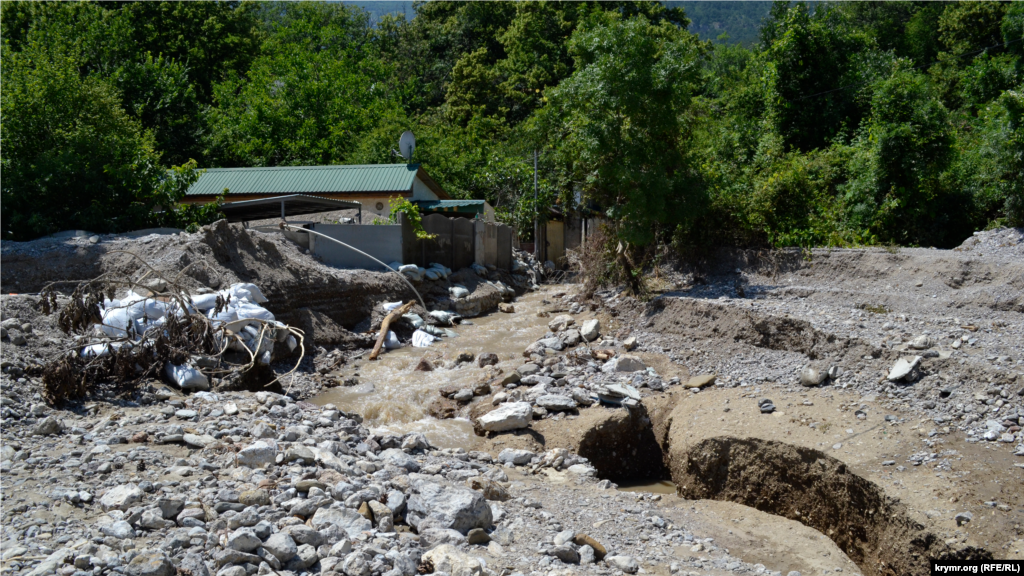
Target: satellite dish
[407,145]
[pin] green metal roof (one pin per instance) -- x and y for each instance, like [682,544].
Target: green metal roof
[463,206]
[306,179]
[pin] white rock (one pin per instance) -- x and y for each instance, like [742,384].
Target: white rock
[355,565]
[624,563]
[449,507]
[556,402]
[446,558]
[591,330]
[399,458]
[902,368]
[121,498]
[515,456]
[624,363]
[561,322]
[257,454]
[350,521]
[243,540]
[508,416]
[120,530]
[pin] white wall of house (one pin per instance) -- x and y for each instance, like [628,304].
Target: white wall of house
[378,206]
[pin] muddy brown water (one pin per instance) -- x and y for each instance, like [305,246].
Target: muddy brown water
[393,398]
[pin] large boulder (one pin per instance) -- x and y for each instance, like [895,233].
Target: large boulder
[257,454]
[556,402]
[399,458]
[624,363]
[150,563]
[447,506]
[508,416]
[591,330]
[281,546]
[447,558]
[561,322]
[121,497]
[347,519]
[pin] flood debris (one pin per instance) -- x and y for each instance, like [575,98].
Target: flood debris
[131,331]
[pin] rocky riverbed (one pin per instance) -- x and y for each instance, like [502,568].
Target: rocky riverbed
[847,411]
[241,483]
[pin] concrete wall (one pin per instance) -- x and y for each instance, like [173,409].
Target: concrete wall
[439,248]
[463,253]
[459,242]
[382,242]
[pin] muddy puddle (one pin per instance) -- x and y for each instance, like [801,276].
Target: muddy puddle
[393,398]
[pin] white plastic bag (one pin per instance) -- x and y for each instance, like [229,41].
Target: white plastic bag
[421,339]
[391,341]
[389,306]
[187,377]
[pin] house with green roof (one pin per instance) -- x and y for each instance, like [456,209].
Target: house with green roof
[372,185]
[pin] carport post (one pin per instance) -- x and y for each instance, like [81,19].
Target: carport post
[282,210]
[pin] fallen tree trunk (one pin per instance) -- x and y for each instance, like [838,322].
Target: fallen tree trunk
[394,315]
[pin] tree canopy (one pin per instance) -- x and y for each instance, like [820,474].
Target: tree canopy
[845,123]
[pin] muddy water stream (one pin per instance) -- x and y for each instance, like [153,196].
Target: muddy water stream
[393,398]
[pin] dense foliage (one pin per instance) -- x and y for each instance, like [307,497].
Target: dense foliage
[843,124]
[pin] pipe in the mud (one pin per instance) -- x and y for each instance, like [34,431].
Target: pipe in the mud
[322,235]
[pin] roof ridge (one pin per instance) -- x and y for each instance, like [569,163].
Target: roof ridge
[323,167]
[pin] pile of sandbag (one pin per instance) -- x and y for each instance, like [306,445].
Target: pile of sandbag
[417,273]
[243,325]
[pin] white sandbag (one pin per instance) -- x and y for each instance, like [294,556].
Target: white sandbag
[228,314]
[395,265]
[433,274]
[413,319]
[116,323]
[421,339]
[254,294]
[434,330]
[247,311]
[389,306]
[99,350]
[291,342]
[443,317]
[391,341]
[205,301]
[457,291]
[187,377]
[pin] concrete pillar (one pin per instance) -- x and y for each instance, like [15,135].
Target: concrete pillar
[479,233]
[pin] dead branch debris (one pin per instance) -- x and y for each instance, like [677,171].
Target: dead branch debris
[120,359]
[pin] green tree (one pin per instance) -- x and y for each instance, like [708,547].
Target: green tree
[811,65]
[896,189]
[72,157]
[619,130]
[309,97]
[215,40]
